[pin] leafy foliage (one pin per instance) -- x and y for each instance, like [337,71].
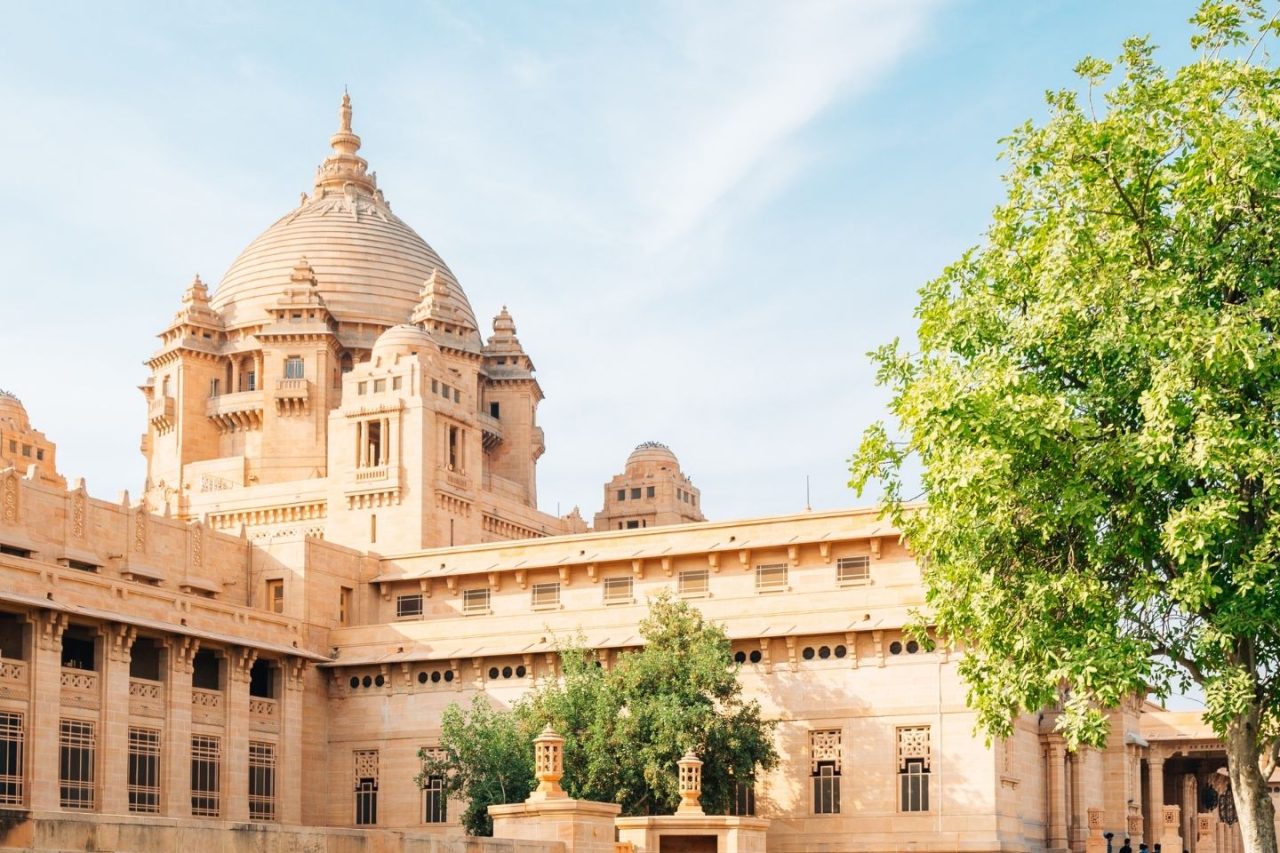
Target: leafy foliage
[1096,403]
[624,728]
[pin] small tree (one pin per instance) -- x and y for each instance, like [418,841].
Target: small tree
[1096,404]
[624,728]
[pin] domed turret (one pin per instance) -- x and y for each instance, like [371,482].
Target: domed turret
[403,339]
[651,491]
[21,446]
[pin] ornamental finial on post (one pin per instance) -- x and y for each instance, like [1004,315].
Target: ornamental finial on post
[690,784]
[548,765]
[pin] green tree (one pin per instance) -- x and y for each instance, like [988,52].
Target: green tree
[1095,407]
[624,728]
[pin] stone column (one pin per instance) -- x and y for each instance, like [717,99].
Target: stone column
[46,708]
[1206,830]
[1095,843]
[1171,828]
[1057,839]
[175,773]
[1155,779]
[1189,806]
[113,745]
[289,766]
[235,755]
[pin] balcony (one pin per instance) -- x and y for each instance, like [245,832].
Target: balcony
[236,412]
[146,698]
[263,714]
[376,485]
[490,430]
[13,671]
[160,411]
[79,688]
[292,396]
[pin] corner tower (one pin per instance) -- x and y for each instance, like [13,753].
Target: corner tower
[650,492]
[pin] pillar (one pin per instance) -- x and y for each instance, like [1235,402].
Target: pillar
[46,708]
[1155,785]
[175,771]
[113,743]
[1206,830]
[289,765]
[235,755]
[1171,828]
[1095,842]
[1057,839]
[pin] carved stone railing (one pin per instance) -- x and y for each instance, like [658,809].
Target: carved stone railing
[144,689]
[292,396]
[239,411]
[79,679]
[262,707]
[205,698]
[369,475]
[13,670]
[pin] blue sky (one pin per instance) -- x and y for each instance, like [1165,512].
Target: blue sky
[701,215]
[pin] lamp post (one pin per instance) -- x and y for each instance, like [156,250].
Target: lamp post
[690,784]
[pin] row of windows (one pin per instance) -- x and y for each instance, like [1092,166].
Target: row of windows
[635,493]
[26,450]
[686,497]
[446,391]
[77,769]
[435,806]
[380,385]
[620,590]
[438,676]
[294,368]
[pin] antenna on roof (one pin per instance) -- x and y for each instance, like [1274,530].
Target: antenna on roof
[808,507]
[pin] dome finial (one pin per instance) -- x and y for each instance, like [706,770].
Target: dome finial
[344,114]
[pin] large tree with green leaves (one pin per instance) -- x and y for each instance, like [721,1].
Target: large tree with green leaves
[1095,406]
[624,728]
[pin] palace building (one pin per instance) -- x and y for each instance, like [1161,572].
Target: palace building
[339,536]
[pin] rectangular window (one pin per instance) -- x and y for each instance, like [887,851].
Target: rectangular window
[622,494]
[39,455]
[275,596]
[77,746]
[619,590]
[649,491]
[144,771]
[853,570]
[693,582]
[262,780]
[633,525]
[213,387]
[206,773]
[344,605]
[744,800]
[546,595]
[914,758]
[435,386]
[494,409]
[395,383]
[771,578]
[293,368]
[366,779]
[434,804]
[825,762]
[362,388]
[251,381]
[379,385]
[26,450]
[635,494]
[12,742]
[475,600]
[408,606]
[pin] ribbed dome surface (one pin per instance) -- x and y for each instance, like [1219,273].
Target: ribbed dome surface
[369,265]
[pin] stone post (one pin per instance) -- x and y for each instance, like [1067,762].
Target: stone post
[690,784]
[289,766]
[1171,828]
[175,787]
[1095,843]
[235,756]
[1206,832]
[46,707]
[113,749]
[1057,839]
[1155,779]
[548,766]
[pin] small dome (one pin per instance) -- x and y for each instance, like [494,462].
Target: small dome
[12,410]
[652,451]
[403,340]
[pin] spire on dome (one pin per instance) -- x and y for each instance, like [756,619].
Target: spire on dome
[343,167]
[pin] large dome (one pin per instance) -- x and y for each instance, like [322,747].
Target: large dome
[370,266]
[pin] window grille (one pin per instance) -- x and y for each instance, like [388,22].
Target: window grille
[77,745]
[12,742]
[435,807]
[546,594]
[475,600]
[262,780]
[744,800]
[408,605]
[914,757]
[771,578]
[619,590]
[293,368]
[695,582]
[144,771]
[206,770]
[825,764]
[853,570]
[366,786]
